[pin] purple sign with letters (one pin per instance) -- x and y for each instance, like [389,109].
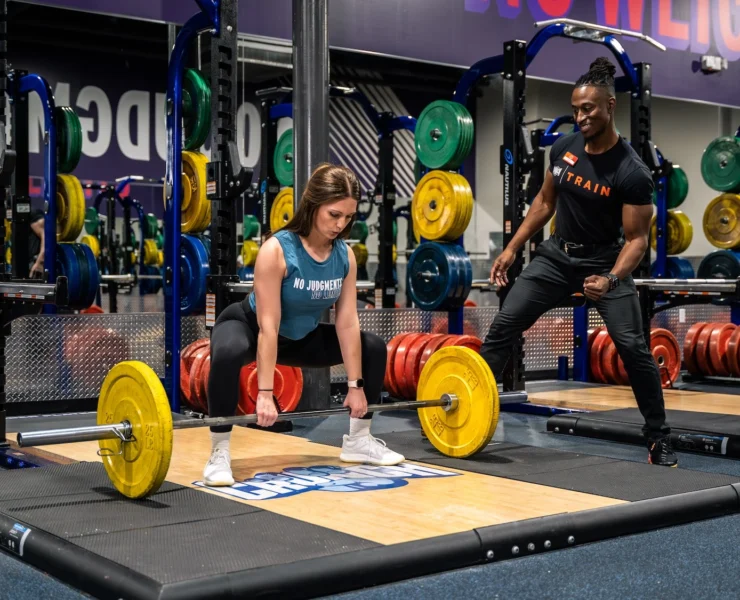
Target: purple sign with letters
[461,32]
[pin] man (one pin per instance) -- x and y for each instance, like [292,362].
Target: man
[600,185]
[36,245]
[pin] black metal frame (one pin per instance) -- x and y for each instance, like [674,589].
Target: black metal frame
[385,197]
[513,170]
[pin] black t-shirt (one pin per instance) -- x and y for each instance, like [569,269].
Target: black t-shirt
[591,189]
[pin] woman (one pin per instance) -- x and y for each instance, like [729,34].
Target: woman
[301,271]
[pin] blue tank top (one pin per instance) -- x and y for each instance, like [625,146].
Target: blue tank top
[310,286]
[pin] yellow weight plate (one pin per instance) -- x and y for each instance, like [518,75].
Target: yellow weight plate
[467,214]
[70,208]
[92,241]
[194,192]
[686,230]
[436,205]
[679,232]
[8,255]
[395,254]
[722,221]
[160,258]
[249,253]
[282,209]
[463,431]
[361,254]
[133,392]
[206,207]
[151,253]
[552,224]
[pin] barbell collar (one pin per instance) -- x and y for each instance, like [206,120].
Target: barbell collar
[123,431]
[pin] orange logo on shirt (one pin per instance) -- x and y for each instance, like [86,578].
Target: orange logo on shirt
[571,159]
[588,184]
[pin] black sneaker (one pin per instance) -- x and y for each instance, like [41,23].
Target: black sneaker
[661,453]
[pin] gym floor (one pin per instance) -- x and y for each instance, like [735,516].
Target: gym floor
[694,560]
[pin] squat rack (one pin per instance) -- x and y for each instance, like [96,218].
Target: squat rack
[518,155]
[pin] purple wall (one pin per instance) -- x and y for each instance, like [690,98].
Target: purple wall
[462,32]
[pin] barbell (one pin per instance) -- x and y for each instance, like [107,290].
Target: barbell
[135,427]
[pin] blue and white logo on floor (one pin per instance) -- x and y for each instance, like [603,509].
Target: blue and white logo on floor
[327,478]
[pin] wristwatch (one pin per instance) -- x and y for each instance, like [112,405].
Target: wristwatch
[357,383]
[613,281]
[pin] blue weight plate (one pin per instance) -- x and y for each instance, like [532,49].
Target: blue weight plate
[206,239]
[246,273]
[194,269]
[82,293]
[467,279]
[453,279]
[68,266]
[93,281]
[427,276]
[721,264]
[687,271]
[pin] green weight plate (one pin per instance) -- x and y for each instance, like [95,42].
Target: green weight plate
[91,220]
[282,158]
[196,109]
[359,231]
[720,164]
[160,241]
[395,230]
[151,226]
[678,187]
[69,139]
[251,227]
[418,170]
[440,132]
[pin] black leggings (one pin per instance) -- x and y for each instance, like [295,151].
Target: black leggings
[234,345]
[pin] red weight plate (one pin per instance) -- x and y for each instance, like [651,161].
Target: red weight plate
[689,347]
[413,358]
[433,345]
[278,387]
[466,341]
[188,351]
[245,402]
[622,372]
[292,388]
[667,353]
[609,357]
[600,341]
[92,310]
[390,355]
[592,333]
[397,375]
[733,348]
[701,351]
[196,394]
[470,303]
[185,384]
[718,341]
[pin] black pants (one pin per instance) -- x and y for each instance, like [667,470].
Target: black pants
[234,345]
[549,279]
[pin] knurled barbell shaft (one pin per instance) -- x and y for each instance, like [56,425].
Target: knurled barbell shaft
[123,431]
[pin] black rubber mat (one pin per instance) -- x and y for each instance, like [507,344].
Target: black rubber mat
[177,534]
[716,424]
[623,480]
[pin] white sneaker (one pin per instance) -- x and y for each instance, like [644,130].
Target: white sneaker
[368,449]
[218,469]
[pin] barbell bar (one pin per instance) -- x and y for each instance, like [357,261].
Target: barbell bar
[135,429]
[124,431]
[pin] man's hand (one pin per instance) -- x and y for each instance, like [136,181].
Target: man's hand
[37,271]
[356,402]
[501,266]
[595,286]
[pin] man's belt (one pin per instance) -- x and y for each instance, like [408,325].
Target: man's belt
[573,249]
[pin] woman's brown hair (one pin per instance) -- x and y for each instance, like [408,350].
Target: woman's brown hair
[328,183]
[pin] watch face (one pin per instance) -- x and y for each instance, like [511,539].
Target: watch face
[360,383]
